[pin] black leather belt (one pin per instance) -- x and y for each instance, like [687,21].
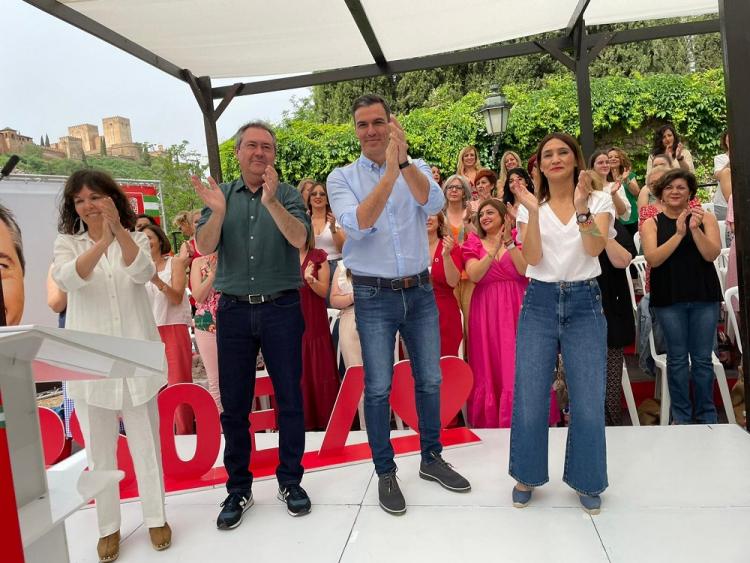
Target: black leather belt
[395,283]
[257,299]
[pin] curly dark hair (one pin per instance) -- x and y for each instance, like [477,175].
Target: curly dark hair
[97,181]
[658,147]
[508,195]
[671,176]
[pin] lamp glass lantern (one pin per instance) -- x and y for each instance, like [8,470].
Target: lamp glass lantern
[496,111]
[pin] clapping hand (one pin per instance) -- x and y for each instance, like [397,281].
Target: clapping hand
[397,136]
[111,217]
[696,218]
[270,185]
[680,225]
[524,197]
[582,192]
[210,194]
[448,244]
[310,273]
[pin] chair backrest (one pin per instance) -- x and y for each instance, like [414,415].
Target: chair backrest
[730,298]
[723,233]
[631,287]
[333,317]
[722,265]
[637,241]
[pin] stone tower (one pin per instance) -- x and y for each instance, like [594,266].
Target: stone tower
[89,135]
[118,137]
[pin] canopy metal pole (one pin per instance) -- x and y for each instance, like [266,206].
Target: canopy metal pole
[201,88]
[734,18]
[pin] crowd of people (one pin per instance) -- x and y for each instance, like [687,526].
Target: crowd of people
[520,271]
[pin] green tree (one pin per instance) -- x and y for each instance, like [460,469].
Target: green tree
[102,146]
[173,170]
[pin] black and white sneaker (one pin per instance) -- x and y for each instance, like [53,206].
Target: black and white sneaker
[233,507]
[296,499]
[441,471]
[390,497]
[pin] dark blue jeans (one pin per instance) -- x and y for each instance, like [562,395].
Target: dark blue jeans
[275,328]
[565,316]
[689,330]
[380,312]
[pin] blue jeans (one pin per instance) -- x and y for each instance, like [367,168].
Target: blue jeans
[276,329]
[380,312]
[565,316]
[690,329]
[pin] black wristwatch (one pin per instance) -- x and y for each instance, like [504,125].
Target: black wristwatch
[582,218]
[405,163]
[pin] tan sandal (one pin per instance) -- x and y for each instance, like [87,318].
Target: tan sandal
[161,538]
[108,547]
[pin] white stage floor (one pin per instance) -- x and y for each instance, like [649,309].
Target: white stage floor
[676,494]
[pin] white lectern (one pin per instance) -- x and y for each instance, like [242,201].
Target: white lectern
[45,498]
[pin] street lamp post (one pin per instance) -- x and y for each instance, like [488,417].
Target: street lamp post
[496,111]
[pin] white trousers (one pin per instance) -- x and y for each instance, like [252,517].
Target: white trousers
[100,428]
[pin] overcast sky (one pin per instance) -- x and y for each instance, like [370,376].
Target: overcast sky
[54,75]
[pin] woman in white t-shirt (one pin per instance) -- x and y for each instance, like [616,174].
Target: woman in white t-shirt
[599,164]
[171,307]
[723,191]
[563,228]
[328,235]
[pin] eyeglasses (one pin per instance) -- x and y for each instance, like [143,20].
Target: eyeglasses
[458,188]
[318,194]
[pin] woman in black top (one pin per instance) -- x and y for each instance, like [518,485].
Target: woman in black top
[681,244]
[619,314]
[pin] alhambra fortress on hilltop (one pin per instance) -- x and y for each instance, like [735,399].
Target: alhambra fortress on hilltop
[82,140]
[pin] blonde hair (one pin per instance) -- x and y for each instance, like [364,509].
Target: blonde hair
[504,170]
[460,170]
[182,218]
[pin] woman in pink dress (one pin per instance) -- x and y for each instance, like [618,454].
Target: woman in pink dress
[495,264]
[445,272]
[320,383]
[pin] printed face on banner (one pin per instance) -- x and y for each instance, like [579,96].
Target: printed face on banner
[12,276]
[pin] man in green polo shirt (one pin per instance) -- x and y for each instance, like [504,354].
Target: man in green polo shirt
[257,226]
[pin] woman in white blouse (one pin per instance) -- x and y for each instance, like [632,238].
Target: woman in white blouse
[171,307]
[564,228]
[103,267]
[328,236]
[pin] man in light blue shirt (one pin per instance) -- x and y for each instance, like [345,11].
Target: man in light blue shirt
[382,200]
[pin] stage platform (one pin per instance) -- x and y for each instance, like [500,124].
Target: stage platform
[676,494]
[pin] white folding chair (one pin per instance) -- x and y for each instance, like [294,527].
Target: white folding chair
[637,241]
[627,390]
[723,233]
[731,295]
[722,265]
[661,363]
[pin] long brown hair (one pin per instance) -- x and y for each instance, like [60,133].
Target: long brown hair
[97,181]
[543,194]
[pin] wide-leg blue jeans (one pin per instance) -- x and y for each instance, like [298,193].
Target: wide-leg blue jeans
[564,316]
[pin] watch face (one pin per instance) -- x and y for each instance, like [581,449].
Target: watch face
[583,217]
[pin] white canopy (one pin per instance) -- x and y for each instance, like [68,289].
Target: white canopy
[241,38]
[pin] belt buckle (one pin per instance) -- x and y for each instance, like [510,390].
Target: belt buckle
[397,284]
[256,299]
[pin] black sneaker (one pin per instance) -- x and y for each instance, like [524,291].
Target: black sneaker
[297,501]
[441,471]
[233,507]
[389,494]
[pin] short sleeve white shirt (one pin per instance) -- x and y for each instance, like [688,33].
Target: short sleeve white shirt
[563,256]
